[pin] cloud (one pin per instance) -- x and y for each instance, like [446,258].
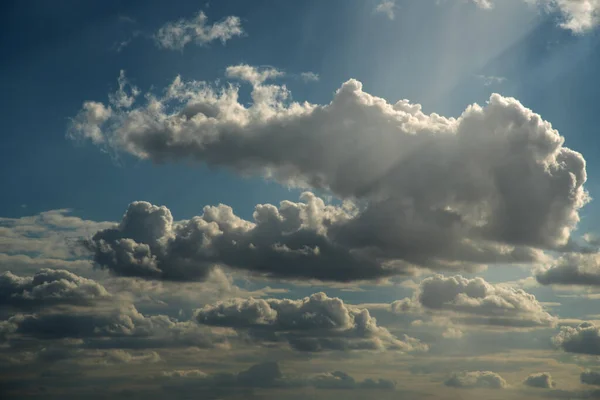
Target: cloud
[292,241]
[124,327]
[572,269]
[49,234]
[387,7]
[475,301]
[491,80]
[341,380]
[541,380]
[492,186]
[590,378]
[269,375]
[49,287]
[309,77]
[251,74]
[577,16]
[583,339]
[177,34]
[313,324]
[476,379]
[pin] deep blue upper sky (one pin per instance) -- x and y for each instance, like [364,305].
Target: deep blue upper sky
[57,54]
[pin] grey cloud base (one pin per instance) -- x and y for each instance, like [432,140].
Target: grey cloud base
[492,186]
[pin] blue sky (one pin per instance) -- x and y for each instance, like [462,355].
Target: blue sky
[441,248]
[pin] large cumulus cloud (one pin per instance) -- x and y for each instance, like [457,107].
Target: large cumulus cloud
[488,187]
[314,323]
[475,301]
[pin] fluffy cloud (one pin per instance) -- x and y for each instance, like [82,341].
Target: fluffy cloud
[590,378]
[491,186]
[475,301]
[582,339]
[572,269]
[289,242]
[314,323]
[476,379]
[577,16]
[176,35]
[387,7]
[542,380]
[48,287]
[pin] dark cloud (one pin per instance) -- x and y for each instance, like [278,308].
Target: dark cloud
[491,186]
[572,269]
[49,287]
[590,378]
[476,379]
[125,327]
[540,380]
[583,339]
[314,323]
[290,242]
[475,301]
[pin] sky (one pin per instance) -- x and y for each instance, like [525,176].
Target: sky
[314,199]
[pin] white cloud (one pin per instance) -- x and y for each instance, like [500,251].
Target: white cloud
[493,185]
[176,35]
[387,7]
[577,16]
[309,77]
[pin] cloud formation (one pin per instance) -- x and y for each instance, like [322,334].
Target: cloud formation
[572,269]
[177,34]
[475,301]
[291,241]
[582,339]
[49,287]
[313,324]
[541,380]
[590,378]
[476,379]
[269,375]
[577,16]
[123,327]
[493,186]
